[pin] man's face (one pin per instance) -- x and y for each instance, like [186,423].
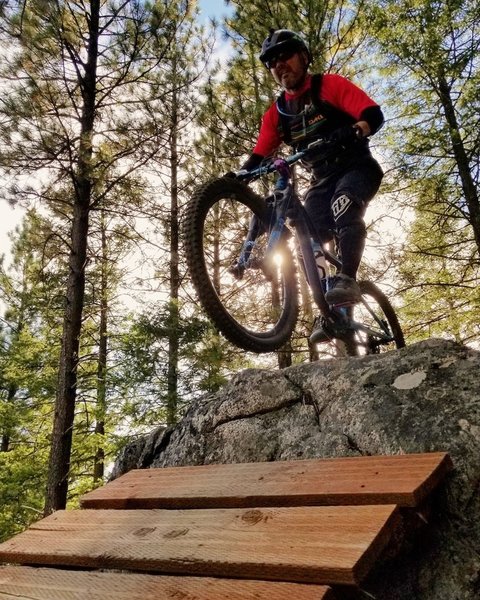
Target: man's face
[289,69]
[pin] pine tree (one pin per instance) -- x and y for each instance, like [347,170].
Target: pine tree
[183,65]
[28,357]
[81,105]
[429,54]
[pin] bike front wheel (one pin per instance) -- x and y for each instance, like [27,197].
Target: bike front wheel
[255,308]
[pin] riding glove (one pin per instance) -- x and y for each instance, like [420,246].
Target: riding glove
[344,136]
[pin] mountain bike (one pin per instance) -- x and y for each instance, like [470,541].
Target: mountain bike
[242,251]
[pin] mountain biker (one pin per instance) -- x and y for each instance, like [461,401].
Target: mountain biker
[331,108]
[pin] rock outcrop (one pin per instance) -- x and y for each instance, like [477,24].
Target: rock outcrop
[422,398]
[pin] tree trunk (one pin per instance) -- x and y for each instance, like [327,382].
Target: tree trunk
[7,428]
[101,408]
[60,452]
[173,332]
[461,158]
[284,355]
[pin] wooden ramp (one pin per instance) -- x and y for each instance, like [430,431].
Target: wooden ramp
[28,583]
[403,479]
[264,530]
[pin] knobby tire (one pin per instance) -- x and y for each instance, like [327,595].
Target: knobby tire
[370,290]
[259,312]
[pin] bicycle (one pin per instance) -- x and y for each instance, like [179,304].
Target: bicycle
[239,256]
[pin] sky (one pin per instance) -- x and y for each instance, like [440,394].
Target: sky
[9,219]
[214,8]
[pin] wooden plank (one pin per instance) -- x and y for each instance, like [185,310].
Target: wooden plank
[323,545]
[28,583]
[402,479]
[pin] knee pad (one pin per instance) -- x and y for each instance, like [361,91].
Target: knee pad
[353,232]
[351,242]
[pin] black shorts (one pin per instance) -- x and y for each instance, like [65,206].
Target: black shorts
[341,199]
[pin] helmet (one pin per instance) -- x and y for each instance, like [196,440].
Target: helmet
[282,40]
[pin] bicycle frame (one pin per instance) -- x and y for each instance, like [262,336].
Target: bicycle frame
[286,206]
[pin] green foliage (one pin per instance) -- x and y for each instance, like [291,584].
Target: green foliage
[430,63]
[28,371]
[329,27]
[140,375]
[22,481]
[441,297]
[429,51]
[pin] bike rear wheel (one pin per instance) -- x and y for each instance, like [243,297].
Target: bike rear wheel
[382,329]
[258,311]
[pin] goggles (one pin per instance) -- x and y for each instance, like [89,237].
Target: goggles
[271,63]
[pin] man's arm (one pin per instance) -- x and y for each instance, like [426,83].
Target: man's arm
[347,96]
[252,162]
[371,120]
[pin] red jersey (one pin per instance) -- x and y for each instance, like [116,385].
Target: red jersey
[335,90]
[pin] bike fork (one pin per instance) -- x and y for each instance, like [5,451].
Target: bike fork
[311,269]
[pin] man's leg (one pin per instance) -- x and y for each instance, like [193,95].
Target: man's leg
[349,201]
[317,206]
[351,232]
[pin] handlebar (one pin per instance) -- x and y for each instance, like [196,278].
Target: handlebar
[273,164]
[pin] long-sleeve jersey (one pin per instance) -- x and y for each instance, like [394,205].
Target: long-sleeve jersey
[338,102]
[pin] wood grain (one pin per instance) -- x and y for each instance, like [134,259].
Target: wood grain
[404,480]
[322,545]
[28,583]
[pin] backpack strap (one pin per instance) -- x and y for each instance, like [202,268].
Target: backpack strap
[315,90]
[284,119]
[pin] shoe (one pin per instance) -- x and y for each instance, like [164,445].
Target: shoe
[320,333]
[343,290]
